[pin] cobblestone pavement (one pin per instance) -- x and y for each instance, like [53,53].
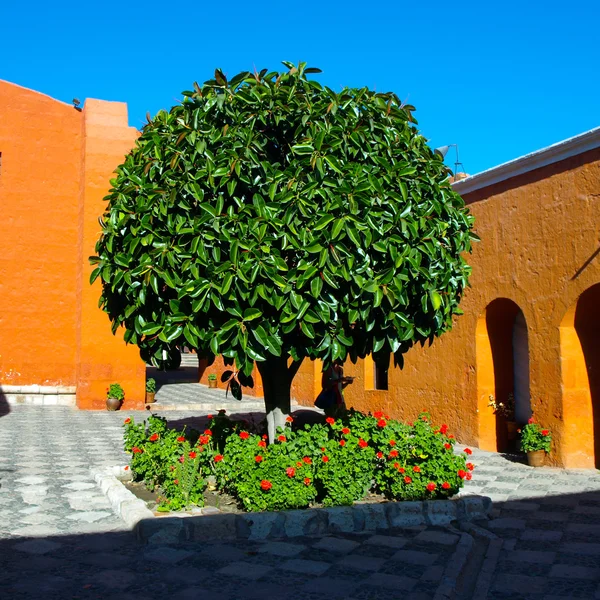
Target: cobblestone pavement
[59,539]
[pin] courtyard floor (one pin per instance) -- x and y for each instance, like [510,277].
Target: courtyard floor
[59,538]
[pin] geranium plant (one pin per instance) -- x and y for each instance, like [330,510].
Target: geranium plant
[151,386]
[115,390]
[533,437]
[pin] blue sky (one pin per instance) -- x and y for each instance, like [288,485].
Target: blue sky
[498,79]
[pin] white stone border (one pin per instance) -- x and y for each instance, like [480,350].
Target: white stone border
[39,395]
[282,524]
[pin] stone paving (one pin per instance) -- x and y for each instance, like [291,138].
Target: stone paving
[59,539]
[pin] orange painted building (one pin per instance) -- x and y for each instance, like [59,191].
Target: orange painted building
[530,328]
[56,346]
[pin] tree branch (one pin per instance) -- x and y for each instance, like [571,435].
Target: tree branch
[293,368]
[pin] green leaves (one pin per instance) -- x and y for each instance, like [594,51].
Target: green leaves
[268,215]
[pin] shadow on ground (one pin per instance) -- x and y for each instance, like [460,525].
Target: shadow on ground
[4,406]
[546,547]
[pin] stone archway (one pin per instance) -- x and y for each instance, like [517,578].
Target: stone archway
[580,371]
[502,369]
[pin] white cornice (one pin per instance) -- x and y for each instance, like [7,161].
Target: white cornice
[579,144]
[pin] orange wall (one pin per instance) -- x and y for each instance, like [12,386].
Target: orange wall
[538,233]
[40,142]
[56,166]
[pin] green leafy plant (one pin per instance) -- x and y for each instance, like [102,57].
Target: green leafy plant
[504,409]
[533,437]
[114,390]
[212,377]
[151,386]
[268,218]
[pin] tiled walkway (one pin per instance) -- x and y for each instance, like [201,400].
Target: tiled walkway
[59,539]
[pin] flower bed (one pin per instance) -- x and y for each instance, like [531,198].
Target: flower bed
[329,464]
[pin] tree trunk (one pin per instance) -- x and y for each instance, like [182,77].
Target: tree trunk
[277,382]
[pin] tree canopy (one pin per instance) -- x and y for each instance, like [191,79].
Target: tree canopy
[268,216]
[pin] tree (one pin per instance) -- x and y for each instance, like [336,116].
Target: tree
[268,218]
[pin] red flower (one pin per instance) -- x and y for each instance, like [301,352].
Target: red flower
[265,484]
[207,432]
[136,450]
[531,421]
[218,458]
[262,444]
[450,437]
[176,482]
[153,437]
[203,439]
[306,481]
[392,442]
[127,420]
[468,451]
[407,479]
[397,466]
[545,432]
[289,419]
[192,455]
[345,431]
[470,466]
[393,453]
[127,467]
[325,458]
[400,469]
[258,458]
[322,449]
[448,446]
[387,417]
[381,423]
[209,416]
[468,476]
[307,460]
[410,423]
[444,428]
[264,437]
[181,439]
[446,485]
[417,469]
[462,474]
[362,443]
[380,455]
[181,458]
[330,420]
[378,414]
[244,435]
[342,442]
[431,486]
[298,464]
[290,472]
[423,418]
[282,438]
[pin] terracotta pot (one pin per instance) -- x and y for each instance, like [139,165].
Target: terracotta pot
[150,397]
[511,429]
[212,383]
[113,404]
[536,458]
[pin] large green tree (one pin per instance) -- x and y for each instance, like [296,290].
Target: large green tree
[268,218]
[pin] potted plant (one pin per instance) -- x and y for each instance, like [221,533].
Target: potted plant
[535,441]
[212,380]
[506,410]
[114,396]
[150,390]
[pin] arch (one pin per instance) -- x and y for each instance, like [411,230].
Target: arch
[502,350]
[580,373]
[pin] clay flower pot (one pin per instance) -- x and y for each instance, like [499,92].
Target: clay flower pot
[150,397]
[535,458]
[212,383]
[113,404]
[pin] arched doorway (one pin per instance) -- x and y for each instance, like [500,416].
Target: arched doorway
[580,370]
[502,370]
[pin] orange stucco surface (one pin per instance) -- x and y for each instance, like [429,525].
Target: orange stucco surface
[539,249]
[56,166]
[539,254]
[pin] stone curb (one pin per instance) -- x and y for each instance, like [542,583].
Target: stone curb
[230,407]
[486,574]
[447,587]
[283,524]
[125,504]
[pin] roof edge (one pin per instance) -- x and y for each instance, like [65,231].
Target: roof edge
[590,140]
[36,92]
